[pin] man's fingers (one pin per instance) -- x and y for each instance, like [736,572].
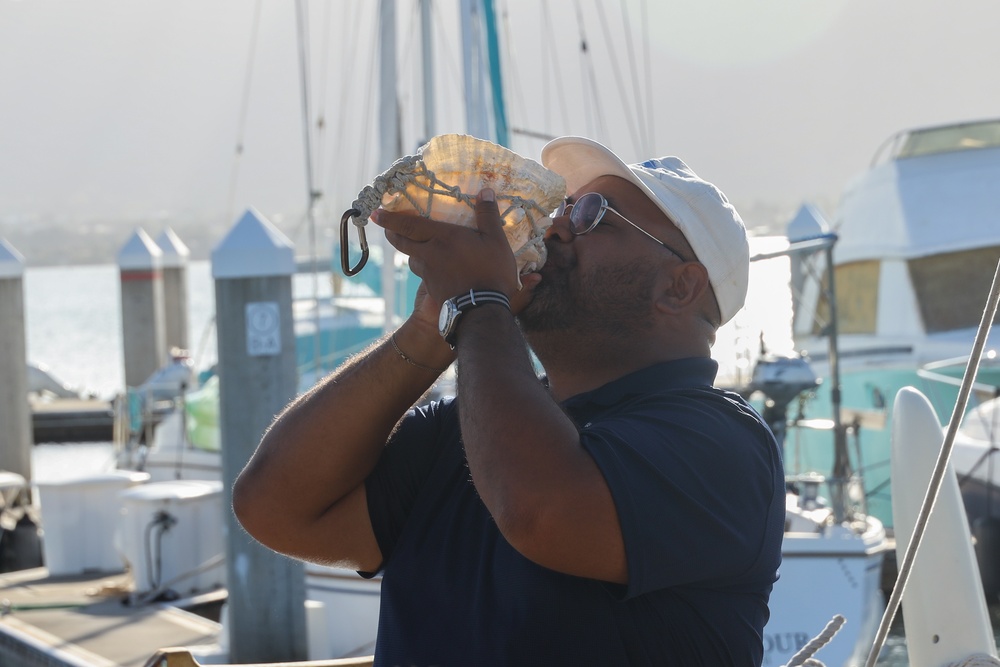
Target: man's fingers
[488,213]
[410,225]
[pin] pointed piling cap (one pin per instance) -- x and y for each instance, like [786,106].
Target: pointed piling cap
[808,223]
[11,261]
[253,248]
[140,253]
[175,253]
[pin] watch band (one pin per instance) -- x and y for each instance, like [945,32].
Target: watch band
[452,309]
[477,297]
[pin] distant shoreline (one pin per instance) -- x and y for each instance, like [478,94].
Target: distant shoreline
[96,243]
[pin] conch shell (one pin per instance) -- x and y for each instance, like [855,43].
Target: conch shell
[455,167]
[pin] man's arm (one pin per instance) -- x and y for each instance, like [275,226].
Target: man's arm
[302,492]
[545,492]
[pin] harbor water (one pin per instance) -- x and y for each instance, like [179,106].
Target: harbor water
[73,323]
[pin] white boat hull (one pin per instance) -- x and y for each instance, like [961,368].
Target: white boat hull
[837,571]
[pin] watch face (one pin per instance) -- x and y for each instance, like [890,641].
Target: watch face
[445,317]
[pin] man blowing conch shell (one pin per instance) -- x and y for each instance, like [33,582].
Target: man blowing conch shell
[618,511]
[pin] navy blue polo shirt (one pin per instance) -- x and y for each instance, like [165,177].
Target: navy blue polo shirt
[698,485]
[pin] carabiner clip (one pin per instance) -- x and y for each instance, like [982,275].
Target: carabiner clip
[345,250]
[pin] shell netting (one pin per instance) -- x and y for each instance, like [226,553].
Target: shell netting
[405,171]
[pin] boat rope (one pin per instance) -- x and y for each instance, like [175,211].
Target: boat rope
[393,179]
[638,141]
[976,660]
[806,653]
[940,468]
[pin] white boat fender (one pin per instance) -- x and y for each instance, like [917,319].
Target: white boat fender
[946,617]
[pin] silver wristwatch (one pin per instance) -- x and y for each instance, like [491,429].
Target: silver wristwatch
[452,308]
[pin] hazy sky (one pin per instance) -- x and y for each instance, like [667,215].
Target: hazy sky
[123,109]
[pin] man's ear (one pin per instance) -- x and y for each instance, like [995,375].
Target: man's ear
[682,287]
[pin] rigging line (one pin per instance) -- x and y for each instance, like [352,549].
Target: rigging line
[443,34]
[321,134]
[636,88]
[553,60]
[368,156]
[415,75]
[546,108]
[619,79]
[583,68]
[647,58]
[244,110]
[344,95]
[302,22]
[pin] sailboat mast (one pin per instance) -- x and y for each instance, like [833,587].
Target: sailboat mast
[502,135]
[427,61]
[389,141]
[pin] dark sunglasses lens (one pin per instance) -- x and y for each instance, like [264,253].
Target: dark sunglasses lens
[585,212]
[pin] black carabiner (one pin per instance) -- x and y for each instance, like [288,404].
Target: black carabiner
[345,250]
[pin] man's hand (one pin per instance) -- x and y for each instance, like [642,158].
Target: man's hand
[452,259]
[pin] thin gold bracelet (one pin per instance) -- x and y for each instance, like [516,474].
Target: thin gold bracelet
[392,339]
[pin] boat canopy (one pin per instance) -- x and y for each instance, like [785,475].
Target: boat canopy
[937,194]
[917,233]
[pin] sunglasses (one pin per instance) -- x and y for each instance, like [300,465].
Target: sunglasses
[589,209]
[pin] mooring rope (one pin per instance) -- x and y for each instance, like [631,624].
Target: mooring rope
[806,653]
[976,660]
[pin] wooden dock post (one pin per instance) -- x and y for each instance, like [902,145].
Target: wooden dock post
[253,267]
[175,285]
[15,415]
[143,338]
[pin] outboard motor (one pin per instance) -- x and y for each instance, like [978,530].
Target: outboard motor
[781,378]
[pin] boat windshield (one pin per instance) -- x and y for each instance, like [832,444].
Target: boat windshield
[943,285]
[967,136]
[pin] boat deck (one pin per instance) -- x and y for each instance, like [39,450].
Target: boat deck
[76,621]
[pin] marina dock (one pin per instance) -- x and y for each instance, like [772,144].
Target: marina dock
[72,420]
[84,621]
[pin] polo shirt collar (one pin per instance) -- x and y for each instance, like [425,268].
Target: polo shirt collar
[665,376]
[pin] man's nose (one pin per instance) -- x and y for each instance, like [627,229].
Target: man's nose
[559,230]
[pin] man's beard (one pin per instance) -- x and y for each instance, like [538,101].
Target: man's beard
[614,301]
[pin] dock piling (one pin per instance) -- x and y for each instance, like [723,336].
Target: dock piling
[175,289]
[253,268]
[15,414]
[143,338]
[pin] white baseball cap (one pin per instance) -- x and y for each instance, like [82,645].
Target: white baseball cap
[700,210]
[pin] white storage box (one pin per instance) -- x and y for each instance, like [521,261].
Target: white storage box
[172,536]
[79,520]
